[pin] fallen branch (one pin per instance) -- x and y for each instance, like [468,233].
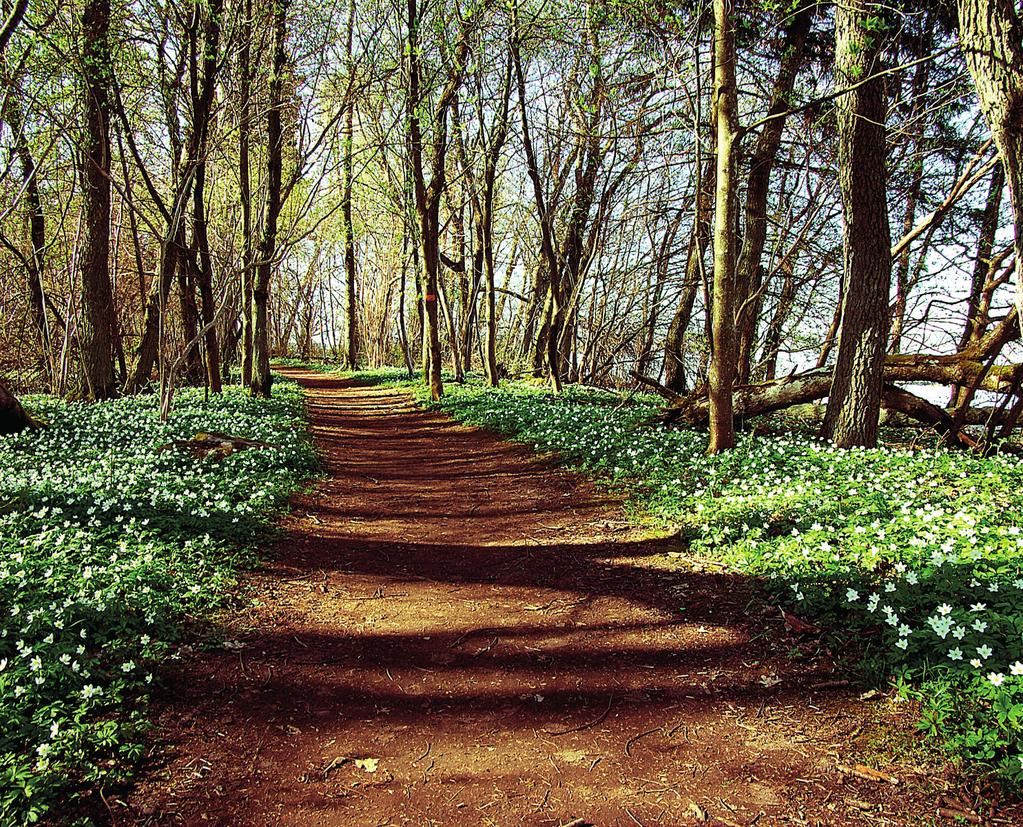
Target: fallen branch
[215,445]
[867,773]
[598,720]
[946,812]
[663,390]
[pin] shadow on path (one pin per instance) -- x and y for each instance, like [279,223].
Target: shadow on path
[505,646]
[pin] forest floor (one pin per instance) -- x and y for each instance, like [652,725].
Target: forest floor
[451,630]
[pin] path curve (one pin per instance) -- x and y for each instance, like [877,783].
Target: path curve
[491,632]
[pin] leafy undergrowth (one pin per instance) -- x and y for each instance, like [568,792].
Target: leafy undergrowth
[916,552]
[107,549]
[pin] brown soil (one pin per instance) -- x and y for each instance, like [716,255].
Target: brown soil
[508,650]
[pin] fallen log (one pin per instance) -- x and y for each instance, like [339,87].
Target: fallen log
[911,405]
[813,385]
[753,400]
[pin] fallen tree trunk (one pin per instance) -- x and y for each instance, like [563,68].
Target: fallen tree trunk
[754,400]
[970,367]
[898,399]
[902,409]
[13,417]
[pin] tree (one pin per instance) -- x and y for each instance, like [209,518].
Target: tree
[262,379]
[722,365]
[854,403]
[428,193]
[991,36]
[94,170]
[245,193]
[352,319]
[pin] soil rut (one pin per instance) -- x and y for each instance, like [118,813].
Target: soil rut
[489,632]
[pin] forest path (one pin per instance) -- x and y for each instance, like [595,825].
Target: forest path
[506,648]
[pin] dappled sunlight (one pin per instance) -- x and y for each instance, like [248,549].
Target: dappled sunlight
[470,617]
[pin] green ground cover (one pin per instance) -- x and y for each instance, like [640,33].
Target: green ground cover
[109,551]
[916,551]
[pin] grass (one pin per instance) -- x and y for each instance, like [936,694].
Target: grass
[109,551]
[912,555]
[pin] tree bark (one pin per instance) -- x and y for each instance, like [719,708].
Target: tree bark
[755,400]
[548,269]
[772,344]
[204,278]
[854,403]
[35,260]
[245,195]
[427,200]
[98,298]
[722,367]
[428,196]
[991,37]
[13,417]
[262,379]
[202,106]
[191,361]
[351,308]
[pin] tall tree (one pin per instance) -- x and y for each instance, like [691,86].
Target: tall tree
[991,35]
[204,51]
[428,193]
[721,378]
[352,317]
[94,168]
[261,377]
[854,403]
[245,192]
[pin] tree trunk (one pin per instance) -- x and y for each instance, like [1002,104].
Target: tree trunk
[674,344]
[13,417]
[722,367]
[261,377]
[192,363]
[98,299]
[854,403]
[427,200]
[245,196]
[152,326]
[428,197]
[972,367]
[991,36]
[548,269]
[772,345]
[749,272]
[351,309]
[204,278]
[35,260]
[983,272]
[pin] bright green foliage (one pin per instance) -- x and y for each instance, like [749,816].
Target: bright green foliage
[106,547]
[917,551]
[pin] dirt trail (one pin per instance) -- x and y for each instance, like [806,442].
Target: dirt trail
[492,633]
